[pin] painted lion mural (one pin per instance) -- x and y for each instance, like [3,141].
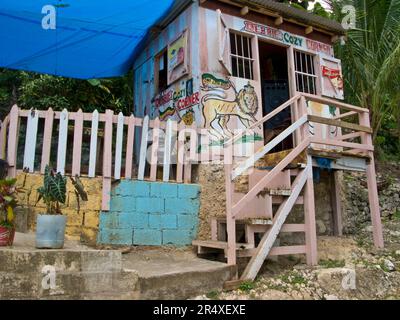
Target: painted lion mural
[244,107]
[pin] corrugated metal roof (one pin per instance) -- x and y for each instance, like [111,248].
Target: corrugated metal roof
[302,16]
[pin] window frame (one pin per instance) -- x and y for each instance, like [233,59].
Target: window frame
[157,59]
[316,76]
[252,56]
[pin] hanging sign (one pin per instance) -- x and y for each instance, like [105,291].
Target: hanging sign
[287,38]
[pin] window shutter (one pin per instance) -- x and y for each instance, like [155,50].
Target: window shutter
[331,77]
[223,43]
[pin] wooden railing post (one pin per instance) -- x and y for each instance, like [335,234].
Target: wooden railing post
[3,137]
[309,217]
[13,142]
[372,185]
[107,160]
[48,132]
[229,187]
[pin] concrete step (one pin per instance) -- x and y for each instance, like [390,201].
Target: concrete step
[83,273]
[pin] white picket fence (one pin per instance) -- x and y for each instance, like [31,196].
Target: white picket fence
[178,137]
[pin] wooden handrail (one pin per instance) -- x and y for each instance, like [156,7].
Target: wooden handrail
[236,209]
[267,148]
[264,119]
[334,103]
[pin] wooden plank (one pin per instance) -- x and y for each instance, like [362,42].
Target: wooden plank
[373,189]
[349,136]
[343,144]
[93,144]
[107,160]
[77,149]
[268,178]
[181,152]
[287,250]
[118,146]
[167,151]
[335,103]
[30,141]
[309,216]
[293,228]
[62,141]
[47,138]
[143,148]
[341,124]
[3,137]
[129,147]
[154,150]
[12,145]
[345,115]
[219,244]
[250,162]
[230,219]
[270,236]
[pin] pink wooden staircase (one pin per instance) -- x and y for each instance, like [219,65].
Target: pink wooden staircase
[285,187]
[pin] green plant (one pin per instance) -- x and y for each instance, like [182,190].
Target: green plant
[54,190]
[247,286]
[8,201]
[213,295]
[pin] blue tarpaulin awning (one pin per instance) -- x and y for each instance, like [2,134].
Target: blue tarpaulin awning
[82,39]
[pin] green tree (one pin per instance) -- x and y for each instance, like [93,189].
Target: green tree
[371,58]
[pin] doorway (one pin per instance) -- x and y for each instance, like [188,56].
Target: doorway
[275,91]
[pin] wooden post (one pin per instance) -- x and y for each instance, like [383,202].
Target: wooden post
[77,149]
[30,141]
[230,220]
[372,185]
[48,131]
[3,137]
[336,203]
[93,144]
[129,147]
[154,150]
[13,142]
[107,160]
[309,218]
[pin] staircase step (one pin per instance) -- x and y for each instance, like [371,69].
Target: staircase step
[280,192]
[259,221]
[220,245]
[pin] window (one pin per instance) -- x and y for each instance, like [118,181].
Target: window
[241,56]
[161,81]
[306,78]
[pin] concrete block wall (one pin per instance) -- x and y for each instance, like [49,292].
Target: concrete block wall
[151,213]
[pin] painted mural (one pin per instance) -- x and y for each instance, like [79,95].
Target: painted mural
[222,103]
[177,103]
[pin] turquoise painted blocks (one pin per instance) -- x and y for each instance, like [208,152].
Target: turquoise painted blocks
[182,206]
[116,236]
[188,191]
[147,237]
[163,190]
[151,213]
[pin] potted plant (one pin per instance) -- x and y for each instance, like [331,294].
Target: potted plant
[50,227]
[8,202]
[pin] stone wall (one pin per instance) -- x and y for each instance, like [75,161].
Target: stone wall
[82,225]
[151,213]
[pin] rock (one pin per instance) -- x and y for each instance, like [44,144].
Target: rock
[389,266]
[330,297]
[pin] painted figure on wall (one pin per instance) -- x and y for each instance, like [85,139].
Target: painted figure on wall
[218,109]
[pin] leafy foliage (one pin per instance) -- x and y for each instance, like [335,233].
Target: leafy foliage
[45,91]
[8,201]
[54,190]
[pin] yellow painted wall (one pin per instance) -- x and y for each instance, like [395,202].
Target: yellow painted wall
[81,226]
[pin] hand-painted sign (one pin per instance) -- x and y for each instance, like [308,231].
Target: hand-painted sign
[287,37]
[178,58]
[334,76]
